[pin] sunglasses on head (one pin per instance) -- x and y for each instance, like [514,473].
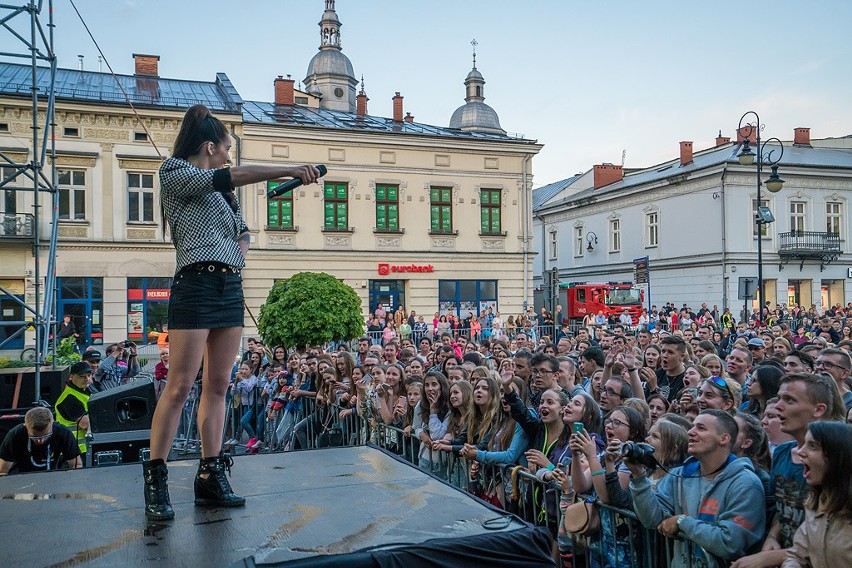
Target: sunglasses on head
[722,384]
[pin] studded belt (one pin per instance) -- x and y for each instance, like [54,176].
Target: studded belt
[215,267]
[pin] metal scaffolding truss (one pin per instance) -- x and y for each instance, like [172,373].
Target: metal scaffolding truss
[30,26]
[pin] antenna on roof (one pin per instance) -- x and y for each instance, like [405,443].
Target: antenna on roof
[100,63]
[623,155]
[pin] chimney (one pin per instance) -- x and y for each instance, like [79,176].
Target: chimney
[361,103]
[284,94]
[749,132]
[802,136]
[685,153]
[409,117]
[606,174]
[147,64]
[397,107]
[720,140]
[80,63]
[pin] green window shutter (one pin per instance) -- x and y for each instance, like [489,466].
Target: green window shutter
[341,192]
[329,190]
[381,192]
[495,220]
[434,195]
[329,215]
[446,222]
[392,193]
[445,195]
[286,214]
[485,225]
[486,197]
[381,217]
[436,218]
[342,221]
[393,217]
[272,218]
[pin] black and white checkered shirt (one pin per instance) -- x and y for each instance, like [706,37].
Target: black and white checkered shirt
[204,226]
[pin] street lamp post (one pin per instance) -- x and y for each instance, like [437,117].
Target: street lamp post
[774,183]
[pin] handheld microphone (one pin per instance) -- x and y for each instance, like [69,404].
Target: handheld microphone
[292,184]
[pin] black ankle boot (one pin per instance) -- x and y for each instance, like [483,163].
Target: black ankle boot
[158,507]
[215,490]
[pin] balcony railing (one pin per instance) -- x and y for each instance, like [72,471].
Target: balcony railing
[16,225]
[809,245]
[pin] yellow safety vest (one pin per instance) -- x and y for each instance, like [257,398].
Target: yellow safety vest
[79,433]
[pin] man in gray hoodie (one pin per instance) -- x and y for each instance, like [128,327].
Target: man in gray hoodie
[713,505]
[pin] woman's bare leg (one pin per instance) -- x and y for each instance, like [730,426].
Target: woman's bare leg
[186,347]
[221,351]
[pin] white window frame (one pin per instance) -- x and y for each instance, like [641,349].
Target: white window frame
[579,242]
[834,219]
[798,216]
[764,227]
[8,197]
[652,229]
[73,191]
[140,191]
[614,235]
[554,245]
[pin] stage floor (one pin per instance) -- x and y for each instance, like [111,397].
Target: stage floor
[299,505]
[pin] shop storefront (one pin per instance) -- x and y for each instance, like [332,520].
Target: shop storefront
[82,299]
[147,308]
[466,297]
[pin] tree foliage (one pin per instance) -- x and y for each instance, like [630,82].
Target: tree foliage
[310,309]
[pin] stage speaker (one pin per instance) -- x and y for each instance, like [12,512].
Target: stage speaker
[52,383]
[10,418]
[128,407]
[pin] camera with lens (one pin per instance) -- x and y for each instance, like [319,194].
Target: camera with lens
[126,343]
[639,453]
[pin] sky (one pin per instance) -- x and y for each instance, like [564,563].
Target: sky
[593,81]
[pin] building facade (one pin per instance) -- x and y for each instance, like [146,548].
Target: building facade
[693,217]
[436,219]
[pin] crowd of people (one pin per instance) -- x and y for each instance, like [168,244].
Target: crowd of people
[745,423]
[731,438]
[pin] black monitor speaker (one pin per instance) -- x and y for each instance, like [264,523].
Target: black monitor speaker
[52,383]
[128,407]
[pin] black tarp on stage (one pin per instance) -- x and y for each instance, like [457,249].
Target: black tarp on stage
[348,507]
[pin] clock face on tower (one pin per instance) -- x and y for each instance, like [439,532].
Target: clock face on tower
[338,92]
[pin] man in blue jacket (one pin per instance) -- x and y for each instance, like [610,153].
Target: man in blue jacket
[713,505]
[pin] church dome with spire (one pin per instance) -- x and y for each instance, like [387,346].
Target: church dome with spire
[330,73]
[475,115]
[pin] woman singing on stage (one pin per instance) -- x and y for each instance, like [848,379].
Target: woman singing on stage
[206,304]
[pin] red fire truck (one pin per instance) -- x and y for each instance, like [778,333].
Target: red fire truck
[611,298]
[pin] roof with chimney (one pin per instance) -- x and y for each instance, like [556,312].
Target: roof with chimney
[142,90]
[295,115]
[795,155]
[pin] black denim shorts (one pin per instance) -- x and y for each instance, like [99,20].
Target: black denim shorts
[206,296]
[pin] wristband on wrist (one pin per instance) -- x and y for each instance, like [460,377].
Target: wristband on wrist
[599,472]
[551,467]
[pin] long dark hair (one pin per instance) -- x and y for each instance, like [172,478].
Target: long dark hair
[769,379]
[443,403]
[198,126]
[834,496]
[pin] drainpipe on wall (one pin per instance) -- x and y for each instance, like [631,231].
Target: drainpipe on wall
[238,161]
[724,241]
[526,230]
